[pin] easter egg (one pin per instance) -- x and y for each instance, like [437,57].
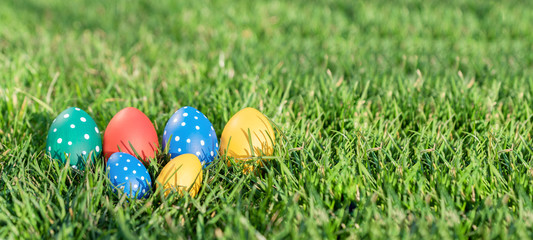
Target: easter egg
[74,136]
[247,125]
[183,173]
[131,126]
[189,131]
[129,175]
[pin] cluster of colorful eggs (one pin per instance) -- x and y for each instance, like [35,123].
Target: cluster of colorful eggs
[189,138]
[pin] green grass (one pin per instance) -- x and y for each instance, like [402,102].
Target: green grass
[401,120]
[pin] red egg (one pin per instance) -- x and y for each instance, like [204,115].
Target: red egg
[131,126]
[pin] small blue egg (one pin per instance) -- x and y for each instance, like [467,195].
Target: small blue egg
[189,131]
[129,175]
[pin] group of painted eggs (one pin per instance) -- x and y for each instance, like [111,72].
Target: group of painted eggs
[130,142]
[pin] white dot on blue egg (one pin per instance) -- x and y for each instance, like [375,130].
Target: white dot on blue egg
[202,142]
[195,117]
[175,119]
[138,164]
[185,114]
[134,172]
[188,140]
[135,186]
[55,129]
[197,153]
[128,160]
[116,164]
[77,109]
[86,136]
[59,140]
[197,127]
[177,138]
[142,178]
[83,119]
[212,153]
[125,168]
[66,115]
[115,177]
[179,149]
[126,179]
[183,124]
[72,126]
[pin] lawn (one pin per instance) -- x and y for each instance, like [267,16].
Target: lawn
[410,119]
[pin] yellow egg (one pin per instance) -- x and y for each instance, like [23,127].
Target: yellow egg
[183,173]
[247,125]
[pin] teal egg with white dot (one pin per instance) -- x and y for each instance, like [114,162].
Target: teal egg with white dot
[74,137]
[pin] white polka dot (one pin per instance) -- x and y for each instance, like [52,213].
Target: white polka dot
[108,168]
[177,138]
[55,129]
[126,179]
[197,128]
[127,160]
[49,148]
[175,119]
[179,149]
[97,148]
[186,107]
[144,191]
[195,117]
[212,153]
[96,130]
[72,126]
[125,168]
[185,114]
[83,119]
[135,186]
[122,187]
[116,164]
[217,144]
[84,152]
[69,143]
[197,111]
[142,178]
[120,155]
[188,140]
[212,128]
[66,115]
[165,133]
[134,172]
[59,140]
[74,166]
[197,153]
[86,136]
[183,124]
[115,177]
[210,134]
[202,142]
[138,164]
[77,109]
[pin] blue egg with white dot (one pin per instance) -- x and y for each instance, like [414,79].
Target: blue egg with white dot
[128,175]
[189,131]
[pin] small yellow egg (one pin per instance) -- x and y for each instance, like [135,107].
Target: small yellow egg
[183,173]
[247,125]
